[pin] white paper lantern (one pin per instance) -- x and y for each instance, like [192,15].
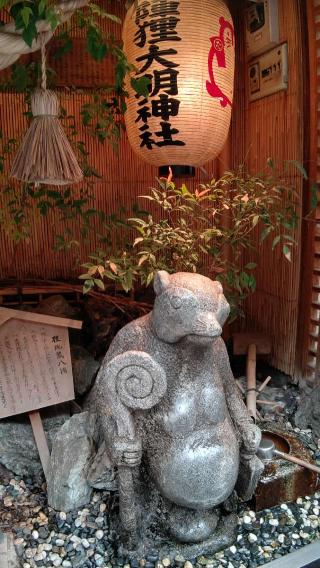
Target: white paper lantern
[186,49]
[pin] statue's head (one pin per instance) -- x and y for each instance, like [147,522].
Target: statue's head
[188,306]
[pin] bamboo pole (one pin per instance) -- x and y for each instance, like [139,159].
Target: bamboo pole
[251,381]
[264,384]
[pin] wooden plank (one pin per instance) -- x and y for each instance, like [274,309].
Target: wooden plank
[39,318]
[12,290]
[41,440]
[314,336]
[312,352]
[4,318]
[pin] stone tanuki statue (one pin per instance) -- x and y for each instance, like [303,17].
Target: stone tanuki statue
[174,424]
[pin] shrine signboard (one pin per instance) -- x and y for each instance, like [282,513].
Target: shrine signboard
[35,366]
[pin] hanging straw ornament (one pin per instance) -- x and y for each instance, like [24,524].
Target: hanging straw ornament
[45,155]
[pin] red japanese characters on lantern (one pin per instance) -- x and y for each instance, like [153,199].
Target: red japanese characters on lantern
[186,50]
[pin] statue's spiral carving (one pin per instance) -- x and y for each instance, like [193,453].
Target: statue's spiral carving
[140,381]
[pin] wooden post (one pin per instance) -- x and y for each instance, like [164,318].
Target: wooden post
[41,440]
[251,381]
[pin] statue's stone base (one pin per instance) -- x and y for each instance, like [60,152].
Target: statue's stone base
[163,530]
[224,536]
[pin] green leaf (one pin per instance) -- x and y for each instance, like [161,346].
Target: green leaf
[88,285]
[299,167]
[289,238]
[275,241]
[265,233]
[127,281]
[149,278]
[20,77]
[314,195]
[251,265]
[52,18]
[26,12]
[287,252]
[96,45]
[252,284]
[30,33]
[64,45]
[42,8]
[99,284]
[141,86]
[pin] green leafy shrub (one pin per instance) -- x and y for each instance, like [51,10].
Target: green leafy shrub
[211,227]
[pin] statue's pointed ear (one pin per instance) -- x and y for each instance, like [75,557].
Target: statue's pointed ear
[161,282]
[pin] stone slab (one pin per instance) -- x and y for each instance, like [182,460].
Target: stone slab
[306,557]
[8,557]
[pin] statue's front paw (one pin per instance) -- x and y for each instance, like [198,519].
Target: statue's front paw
[127,452]
[251,437]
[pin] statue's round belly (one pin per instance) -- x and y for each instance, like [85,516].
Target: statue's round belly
[200,470]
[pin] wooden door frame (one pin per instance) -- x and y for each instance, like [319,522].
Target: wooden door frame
[309,78]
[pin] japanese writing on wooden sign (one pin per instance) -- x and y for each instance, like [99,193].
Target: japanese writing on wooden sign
[35,362]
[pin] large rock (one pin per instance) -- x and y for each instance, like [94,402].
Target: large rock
[18,450]
[308,411]
[84,369]
[101,473]
[72,450]
[56,305]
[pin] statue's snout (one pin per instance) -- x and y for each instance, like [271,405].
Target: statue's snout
[207,325]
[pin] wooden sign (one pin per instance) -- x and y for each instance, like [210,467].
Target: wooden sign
[35,366]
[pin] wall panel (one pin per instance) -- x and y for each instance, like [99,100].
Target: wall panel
[274,128]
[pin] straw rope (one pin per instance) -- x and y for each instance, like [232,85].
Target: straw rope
[12,44]
[43,66]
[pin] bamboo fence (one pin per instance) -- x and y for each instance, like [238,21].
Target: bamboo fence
[270,127]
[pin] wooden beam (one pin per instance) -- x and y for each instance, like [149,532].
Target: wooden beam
[309,76]
[8,313]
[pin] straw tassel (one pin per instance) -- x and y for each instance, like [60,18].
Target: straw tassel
[45,155]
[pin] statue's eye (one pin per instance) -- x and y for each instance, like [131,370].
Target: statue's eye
[176,302]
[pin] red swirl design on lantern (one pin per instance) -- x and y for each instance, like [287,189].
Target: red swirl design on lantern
[219,44]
